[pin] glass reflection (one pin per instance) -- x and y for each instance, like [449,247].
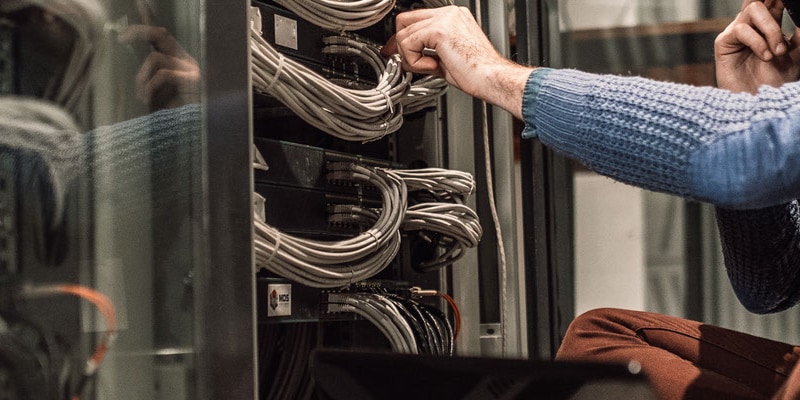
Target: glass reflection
[100,135]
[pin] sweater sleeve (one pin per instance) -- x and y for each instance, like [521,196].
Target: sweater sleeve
[761,249]
[156,144]
[738,151]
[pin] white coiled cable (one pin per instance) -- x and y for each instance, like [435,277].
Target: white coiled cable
[424,93]
[445,183]
[349,114]
[449,224]
[446,222]
[340,15]
[329,264]
[382,313]
[458,224]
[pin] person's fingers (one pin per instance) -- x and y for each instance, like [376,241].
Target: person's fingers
[411,43]
[746,36]
[427,27]
[746,3]
[755,28]
[161,39]
[446,42]
[767,3]
[156,62]
[767,21]
[775,8]
[133,33]
[422,65]
[145,12]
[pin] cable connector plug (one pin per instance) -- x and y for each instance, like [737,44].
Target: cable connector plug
[260,207]
[337,303]
[418,292]
[258,160]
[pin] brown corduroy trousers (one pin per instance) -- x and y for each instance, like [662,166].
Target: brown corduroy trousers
[686,359]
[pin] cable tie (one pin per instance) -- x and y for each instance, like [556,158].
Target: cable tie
[374,238]
[275,250]
[277,75]
[385,94]
[385,129]
[382,135]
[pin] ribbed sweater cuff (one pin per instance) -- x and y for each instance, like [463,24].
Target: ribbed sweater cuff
[529,100]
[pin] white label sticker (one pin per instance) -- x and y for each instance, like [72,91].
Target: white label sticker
[285,32]
[280,300]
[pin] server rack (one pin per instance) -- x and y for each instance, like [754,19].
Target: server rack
[297,193]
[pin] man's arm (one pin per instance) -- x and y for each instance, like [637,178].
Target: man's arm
[464,56]
[735,150]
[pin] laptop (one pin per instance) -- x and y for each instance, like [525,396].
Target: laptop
[367,375]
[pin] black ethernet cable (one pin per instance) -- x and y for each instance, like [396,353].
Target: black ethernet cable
[416,324]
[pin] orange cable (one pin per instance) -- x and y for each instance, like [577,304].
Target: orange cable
[456,312]
[103,304]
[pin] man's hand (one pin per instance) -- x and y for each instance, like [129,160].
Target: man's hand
[752,51]
[464,55]
[169,77]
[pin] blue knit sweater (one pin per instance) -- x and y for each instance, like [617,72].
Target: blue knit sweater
[740,152]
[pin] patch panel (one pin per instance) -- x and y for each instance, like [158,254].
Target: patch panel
[303,41]
[303,166]
[306,211]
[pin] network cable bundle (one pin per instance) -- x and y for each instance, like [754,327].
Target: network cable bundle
[284,350]
[345,101]
[438,214]
[402,319]
[409,325]
[342,269]
[327,264]
[452,226]
[347,15]
[340,15]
